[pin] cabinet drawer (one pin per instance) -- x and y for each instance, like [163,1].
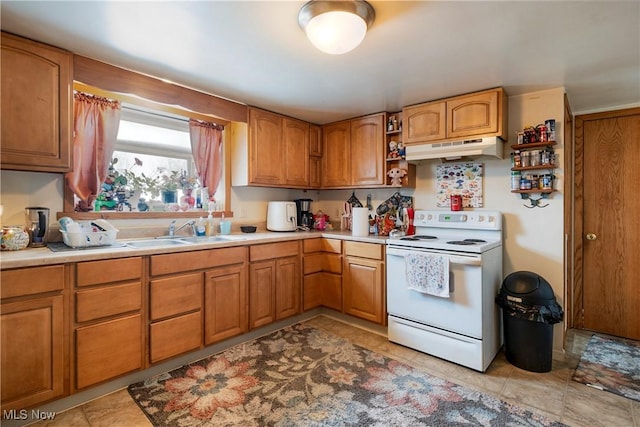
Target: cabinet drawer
[332,263]
[311,245]
[175,295]
[108,271]
[312,263]
[364,250]
[273,250]
[96,303]
[107,350]
[197,260]
[29,281]
[175,336]
[332,245]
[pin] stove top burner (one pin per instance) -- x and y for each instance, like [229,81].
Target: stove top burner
[418,237]
[461,242]
[475,240]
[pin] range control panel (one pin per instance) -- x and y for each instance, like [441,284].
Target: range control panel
[481,220]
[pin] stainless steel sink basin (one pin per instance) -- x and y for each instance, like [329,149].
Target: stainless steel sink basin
[211,239]
[152,243]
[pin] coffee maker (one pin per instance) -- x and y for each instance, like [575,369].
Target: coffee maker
[305,216]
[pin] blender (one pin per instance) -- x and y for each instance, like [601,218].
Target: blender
[305,217]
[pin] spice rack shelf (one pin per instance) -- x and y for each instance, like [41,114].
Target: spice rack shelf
[526,194]
[532,145]
[532,168]
[536,191]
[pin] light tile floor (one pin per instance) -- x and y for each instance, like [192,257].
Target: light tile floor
[553,394]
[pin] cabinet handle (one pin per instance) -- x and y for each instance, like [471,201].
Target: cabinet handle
[591,236]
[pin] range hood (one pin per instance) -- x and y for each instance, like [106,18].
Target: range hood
[451,150]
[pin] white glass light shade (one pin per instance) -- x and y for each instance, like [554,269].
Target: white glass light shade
[336,26]
[336,32]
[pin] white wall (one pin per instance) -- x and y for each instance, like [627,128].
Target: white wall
[19,190]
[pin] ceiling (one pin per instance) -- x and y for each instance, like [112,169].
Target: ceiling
[416,51]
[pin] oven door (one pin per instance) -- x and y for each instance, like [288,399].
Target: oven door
[461,313]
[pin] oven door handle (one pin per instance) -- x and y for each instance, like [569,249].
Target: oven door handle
[474,261]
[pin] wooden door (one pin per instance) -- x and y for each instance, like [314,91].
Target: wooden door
[424,122]
[367,150]
[336,159]
[265,147]
[473,115]
[262,293]
[288,287]
[33,355]
[315,141]
[225,303]
[608,177]
[295,137]
[363,293]
[36,106]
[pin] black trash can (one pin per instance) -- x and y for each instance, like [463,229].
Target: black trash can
[529,310]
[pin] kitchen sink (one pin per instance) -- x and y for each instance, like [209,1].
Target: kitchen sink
[210,239]
[152,243]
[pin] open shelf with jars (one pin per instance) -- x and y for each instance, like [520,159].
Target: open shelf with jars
[535,153]
[395,156]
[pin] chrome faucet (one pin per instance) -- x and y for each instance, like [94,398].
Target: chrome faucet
[173,230]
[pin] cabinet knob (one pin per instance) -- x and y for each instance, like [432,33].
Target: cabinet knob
[591,236]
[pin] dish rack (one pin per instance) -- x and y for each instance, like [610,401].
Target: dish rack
[89,238]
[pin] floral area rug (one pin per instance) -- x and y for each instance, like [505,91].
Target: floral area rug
[302,376]
[612,365]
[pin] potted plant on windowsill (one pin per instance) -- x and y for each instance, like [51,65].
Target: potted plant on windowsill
[168,185]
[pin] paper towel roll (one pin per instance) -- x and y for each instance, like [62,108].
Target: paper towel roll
[360,222]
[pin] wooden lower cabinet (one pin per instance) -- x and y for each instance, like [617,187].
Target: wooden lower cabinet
[33,355]
[109,327]
[225,303]
[108,349]
[363,281]
[322,269]
[274,282]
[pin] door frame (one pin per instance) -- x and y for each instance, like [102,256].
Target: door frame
[575,291]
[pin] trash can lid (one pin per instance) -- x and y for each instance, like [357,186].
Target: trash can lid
[531,287]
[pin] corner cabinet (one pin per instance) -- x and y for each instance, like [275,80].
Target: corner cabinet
[462,117]
[37,109]
[273,150]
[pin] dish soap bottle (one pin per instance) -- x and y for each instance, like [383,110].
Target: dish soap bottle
[209,225]
[201,229]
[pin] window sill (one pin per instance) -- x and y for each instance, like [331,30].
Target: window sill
[140,215]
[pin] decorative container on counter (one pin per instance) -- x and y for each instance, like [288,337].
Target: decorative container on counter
[14,238]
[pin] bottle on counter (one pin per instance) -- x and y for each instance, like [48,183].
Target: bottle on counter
[209,225]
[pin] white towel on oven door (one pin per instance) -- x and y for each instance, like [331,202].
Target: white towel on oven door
[428,273]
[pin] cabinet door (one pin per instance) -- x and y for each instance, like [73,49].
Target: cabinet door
[424,122]
[332,290]
[108,349]
[473,115]
[295,136]
[175,336]
[175,295]
[363,289]
[36,106]
[262,293]
[265,148]
[367,150]
[32,352]
[312,290]
[315,141]
[225,303]
[287,287]
[336,158]
[315,170]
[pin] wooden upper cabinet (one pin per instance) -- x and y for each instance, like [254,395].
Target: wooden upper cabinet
[36,118]
[265,147]
[473,115]
[315,141]
[367,151]
[295,135]
[424,122]
[462,117]
[336,159]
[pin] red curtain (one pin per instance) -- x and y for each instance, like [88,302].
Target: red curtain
[95,131]
[206,147]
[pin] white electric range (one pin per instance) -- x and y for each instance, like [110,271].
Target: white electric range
[464,327]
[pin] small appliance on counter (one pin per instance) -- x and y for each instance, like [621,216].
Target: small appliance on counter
[282,216]
[305,216]
[37,221]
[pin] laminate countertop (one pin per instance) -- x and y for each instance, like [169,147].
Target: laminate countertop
[44,256]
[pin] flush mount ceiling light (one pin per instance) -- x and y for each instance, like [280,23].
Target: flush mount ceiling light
[336,27]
